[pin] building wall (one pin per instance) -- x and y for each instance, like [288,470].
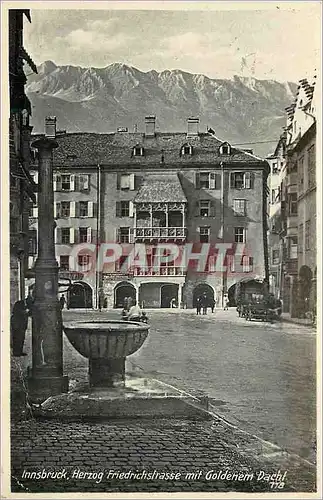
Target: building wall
[105,194]
[21,188]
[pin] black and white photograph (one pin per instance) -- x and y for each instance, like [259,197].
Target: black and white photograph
[161,238]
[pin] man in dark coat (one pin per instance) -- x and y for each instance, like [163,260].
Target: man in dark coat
[18,325]
[198,305]
[212,304]
[204,303]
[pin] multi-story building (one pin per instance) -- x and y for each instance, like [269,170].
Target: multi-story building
[143,189]
[296,214]
[22,187]
[277,168]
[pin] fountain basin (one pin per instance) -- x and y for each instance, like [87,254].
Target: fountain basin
[106,339]
[106,344]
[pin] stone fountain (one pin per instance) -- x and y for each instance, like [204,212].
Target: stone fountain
[109,394]
[106,344]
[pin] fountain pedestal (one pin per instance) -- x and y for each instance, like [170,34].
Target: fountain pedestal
[107,372]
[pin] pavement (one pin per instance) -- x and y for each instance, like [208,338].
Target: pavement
[179,455]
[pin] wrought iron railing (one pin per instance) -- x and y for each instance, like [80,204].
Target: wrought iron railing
[159,232]
[160,271]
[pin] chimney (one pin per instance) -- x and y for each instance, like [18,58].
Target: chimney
[150,122]
[192,127]
[50,127]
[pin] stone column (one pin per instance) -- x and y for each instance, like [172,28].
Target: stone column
[180,295]
[46,376]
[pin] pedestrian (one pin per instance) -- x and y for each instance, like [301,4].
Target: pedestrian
[18,326]
[130,302]
[134,313]
[204,303]
[29,302]
[173,303]
[125,303]
[212,304]
[62,301]
[198,305]
[226,303]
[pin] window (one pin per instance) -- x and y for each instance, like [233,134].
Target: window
[66,182]
[204,234]
[293,204]
[33,211]
[125,181]
[65,209]
[204,208]
[240,180]
[124,209]
[225,149]
[300,238]
[275,168]
[239,235]
[124,235]
[307,234]
[65,235]
[300,172]
[84,182]
[206,180]
[293,247]
[275,257]
[83,260]
[239,207]
[186,150]
[32,242]
[64,262]
[84,209]
[311,167]
[138,151]
[83,232]
[247,264]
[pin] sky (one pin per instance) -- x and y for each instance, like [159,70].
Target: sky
[281,43]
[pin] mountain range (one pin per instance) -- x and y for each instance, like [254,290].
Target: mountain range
[240,110]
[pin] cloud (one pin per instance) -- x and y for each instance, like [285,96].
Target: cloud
[94,41]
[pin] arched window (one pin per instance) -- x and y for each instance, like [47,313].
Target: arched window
[186,149]
[225,149]
[138,150]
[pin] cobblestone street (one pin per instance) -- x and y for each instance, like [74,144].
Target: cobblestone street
[266,390]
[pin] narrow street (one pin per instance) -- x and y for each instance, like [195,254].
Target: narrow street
[259,376]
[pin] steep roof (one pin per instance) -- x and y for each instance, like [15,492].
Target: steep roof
[161,190]
[82,149]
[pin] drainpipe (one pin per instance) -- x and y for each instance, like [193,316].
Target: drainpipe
[98,242]
[222,226]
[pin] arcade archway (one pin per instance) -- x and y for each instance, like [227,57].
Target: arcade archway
[167,294]
[121,291]
[80,296]
[200,290]
[232,295]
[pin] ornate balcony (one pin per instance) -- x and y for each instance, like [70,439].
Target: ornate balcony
[160,271]
[160,233]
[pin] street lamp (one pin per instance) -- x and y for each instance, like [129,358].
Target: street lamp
[46,375]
